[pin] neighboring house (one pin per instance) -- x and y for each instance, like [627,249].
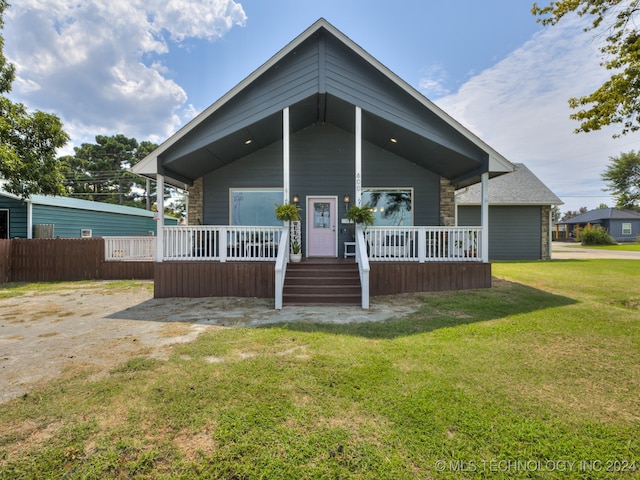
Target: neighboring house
[622,225]
[324,123]
[72,218]
[519,215]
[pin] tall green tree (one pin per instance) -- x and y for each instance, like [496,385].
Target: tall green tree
[617,100]
[622,177]
[28,142]
[99,171]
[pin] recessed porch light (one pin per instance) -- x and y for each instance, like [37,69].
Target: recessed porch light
[393,140]
[248,141]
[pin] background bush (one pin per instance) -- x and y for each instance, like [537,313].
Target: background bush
[594,236]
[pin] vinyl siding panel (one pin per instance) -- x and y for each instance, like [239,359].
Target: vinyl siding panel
[295,78]
[615,230]
[351,78]
[17,216]
[262,169]
[515,233]
[322,163]
[70,221]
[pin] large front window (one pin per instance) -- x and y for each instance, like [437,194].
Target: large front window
[390,206]
[254,206]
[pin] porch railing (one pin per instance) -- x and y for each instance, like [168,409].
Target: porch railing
[281,266]
[363,266]
[220,243]
[424,244]
[123,249]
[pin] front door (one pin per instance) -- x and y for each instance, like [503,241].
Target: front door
[321,227]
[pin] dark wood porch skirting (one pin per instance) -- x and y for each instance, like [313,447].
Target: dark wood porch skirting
[257,279]
[214,279]
[388,278]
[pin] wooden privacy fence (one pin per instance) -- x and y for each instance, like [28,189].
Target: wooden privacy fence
[64,259]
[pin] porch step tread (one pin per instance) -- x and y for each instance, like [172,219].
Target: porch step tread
[322,282]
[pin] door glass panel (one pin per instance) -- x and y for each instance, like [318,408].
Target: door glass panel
[321,214]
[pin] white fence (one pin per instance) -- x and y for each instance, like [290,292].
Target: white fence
[123,249]
[424,244]
[220,243]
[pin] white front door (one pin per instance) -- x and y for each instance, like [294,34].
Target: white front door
[322,240]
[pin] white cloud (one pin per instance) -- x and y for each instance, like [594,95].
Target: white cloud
[433,81]
[85,60]
[519,106]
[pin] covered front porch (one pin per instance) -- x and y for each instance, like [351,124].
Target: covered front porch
[199,261]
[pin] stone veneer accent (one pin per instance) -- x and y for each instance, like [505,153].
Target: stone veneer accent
[544,254]
[196,212]
[447,203]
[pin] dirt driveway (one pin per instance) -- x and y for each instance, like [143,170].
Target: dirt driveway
[92,325]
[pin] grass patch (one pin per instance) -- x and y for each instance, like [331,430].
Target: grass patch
[16,289]
[508,382]
[625,247]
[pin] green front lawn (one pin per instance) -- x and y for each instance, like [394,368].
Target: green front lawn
[537,377]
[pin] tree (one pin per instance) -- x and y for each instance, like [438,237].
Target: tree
[570,213]
[617,100]
[99,171]
[555,213]
[28,142]
[622,177]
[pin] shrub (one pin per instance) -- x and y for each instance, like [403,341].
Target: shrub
[594,236]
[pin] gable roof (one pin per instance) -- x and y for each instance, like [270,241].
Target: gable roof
[520,187]
[321,75]
[600,214]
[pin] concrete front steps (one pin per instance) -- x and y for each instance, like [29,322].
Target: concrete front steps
[322,282]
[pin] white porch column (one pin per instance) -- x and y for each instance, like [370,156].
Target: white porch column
[286,152]
[160,224]
[358,190]
[30,219]
[484,214]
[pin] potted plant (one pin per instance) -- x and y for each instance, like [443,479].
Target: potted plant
[287,212]
[360,215]
[296,252]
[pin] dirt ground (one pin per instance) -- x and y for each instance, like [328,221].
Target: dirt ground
[91,325]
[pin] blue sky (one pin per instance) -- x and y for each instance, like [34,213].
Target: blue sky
[145,67]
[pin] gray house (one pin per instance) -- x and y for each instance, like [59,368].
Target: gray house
[72,218]
[622,225]
[323,124]
[519,215]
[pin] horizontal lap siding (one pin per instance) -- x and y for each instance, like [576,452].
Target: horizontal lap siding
[388,278]
[292,80]
[70,221]
[353,79]
[213,279]
[515,233]
[17,216]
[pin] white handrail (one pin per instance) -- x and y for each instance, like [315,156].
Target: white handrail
[363,265]
[281,266]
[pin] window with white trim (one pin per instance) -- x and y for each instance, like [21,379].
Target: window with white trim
[390,206]
[254,206]
[626,228]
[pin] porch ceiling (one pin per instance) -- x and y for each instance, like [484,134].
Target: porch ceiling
[410,145]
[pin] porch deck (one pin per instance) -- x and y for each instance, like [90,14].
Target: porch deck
[256,279]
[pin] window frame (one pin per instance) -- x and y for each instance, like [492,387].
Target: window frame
[411,190]
[628,227]
[278,190]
